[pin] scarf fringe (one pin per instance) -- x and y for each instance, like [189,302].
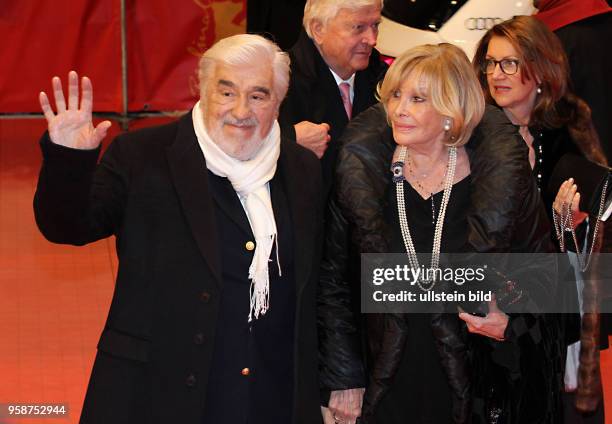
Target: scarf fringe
[260,277]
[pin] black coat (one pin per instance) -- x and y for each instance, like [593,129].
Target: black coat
[506,215]
[153,192]
[314,96]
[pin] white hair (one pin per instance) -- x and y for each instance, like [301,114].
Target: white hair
[325,10]
[245,50]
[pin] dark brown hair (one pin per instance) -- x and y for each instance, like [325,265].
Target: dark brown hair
[542,57]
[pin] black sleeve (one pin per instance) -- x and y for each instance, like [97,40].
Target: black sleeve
[340,353]
[292,109]
[76,201]
[351,228]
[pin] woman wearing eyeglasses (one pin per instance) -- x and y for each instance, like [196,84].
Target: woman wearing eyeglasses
[523,69]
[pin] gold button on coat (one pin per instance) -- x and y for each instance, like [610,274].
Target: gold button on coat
[245,371]
[249,245]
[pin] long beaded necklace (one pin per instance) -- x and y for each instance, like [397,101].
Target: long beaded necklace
[397,168]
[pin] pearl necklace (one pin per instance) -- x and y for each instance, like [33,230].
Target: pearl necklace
[397,168]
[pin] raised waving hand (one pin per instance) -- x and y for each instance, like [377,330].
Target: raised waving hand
[72,126]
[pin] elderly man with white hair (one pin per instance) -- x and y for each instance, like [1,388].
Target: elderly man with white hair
[334,72]
[213,319]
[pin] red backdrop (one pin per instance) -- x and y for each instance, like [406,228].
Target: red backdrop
[42,38]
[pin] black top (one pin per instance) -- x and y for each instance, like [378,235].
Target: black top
[550,145]
[419,214]
[420,391]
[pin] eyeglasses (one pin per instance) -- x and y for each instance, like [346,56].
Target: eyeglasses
[508,66]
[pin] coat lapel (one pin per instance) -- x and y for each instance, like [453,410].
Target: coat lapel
[333,101]
[327,99]
[366,82]
[190,177]
[226,198]
[363,93]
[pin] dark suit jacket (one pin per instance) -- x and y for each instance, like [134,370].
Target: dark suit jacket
[152,191]
[314,96]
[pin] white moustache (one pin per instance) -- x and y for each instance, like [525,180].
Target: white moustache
[249,122]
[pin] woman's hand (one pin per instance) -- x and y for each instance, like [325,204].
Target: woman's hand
[493,325]
[345,405]
[568,200]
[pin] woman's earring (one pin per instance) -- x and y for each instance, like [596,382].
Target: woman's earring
[447,125]
[539,90]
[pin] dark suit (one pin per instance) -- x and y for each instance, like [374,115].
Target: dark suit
[176,339]
[314,96]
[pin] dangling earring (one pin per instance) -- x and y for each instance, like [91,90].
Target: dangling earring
[539,90]
[447,125]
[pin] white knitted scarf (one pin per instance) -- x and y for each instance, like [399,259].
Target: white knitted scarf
[250,180]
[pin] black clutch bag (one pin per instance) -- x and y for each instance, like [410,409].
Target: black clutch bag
[590,178]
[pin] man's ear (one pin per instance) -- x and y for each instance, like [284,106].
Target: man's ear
[317,29]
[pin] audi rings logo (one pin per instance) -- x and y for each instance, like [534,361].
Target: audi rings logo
[481,24]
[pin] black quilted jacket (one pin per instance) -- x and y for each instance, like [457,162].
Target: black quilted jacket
[506,215]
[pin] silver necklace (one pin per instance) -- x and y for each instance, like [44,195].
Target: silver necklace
[417,181]
[564,222]
[397,169]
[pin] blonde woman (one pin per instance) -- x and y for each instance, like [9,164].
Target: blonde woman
[458,184]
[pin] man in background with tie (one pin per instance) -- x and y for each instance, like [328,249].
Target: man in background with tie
[334,72]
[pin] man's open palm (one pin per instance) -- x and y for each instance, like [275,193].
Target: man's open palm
[72,126]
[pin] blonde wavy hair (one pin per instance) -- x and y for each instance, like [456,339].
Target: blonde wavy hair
[447,80]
